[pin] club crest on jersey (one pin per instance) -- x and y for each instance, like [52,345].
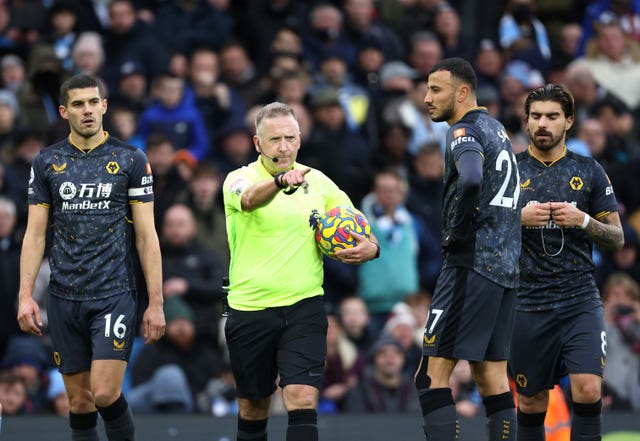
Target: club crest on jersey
[576,183]
[521,379]
[59,168]
[112,167]
[56,358]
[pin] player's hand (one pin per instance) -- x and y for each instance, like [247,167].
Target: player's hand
[29,317]
[153,324]
[536,215]
[565,214]
[363,251]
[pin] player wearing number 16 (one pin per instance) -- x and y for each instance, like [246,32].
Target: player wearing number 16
[471,315]
[96,192]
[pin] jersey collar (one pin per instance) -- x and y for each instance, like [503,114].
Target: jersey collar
[104,139]
[564,153]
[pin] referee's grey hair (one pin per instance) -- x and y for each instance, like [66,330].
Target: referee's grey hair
[274,110]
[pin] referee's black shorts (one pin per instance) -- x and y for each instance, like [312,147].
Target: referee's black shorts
[288,341]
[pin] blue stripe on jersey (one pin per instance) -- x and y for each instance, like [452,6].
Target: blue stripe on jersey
[89,195]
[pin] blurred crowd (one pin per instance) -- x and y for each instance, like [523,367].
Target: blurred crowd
[185,79]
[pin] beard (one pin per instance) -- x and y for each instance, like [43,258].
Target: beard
[547,143]
[445,115]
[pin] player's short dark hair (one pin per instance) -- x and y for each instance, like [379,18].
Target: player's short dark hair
[80,81]
[552,92]
[460,69]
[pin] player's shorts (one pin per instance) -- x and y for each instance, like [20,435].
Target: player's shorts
[549,344]
[470,318]
[87,330]
[289,341]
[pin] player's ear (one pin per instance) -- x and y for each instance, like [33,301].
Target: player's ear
[256,143]
[62,110]
[568,124]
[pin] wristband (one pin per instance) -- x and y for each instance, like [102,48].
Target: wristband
[377,251]
[277,178]
[586,221]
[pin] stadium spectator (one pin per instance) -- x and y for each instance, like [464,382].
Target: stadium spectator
[621,297]
[132,88]
[403,326]
[326,34]
[128,38]
[167,181]
[425,51]
[488,62]
[61,30]
[190,270]
[203,198]
[26,357]
[384,386]
[58,402]
[343,368]
[183,25]
[387,280]
[9,121]
[356,322]
[13,393]
[342,154]
[174,113]
[448,27]
[239,72]
[218,103]
[87,54]
[362,25]
[12,73]
[523,36]
[169,376]
[627,12]
[10,269]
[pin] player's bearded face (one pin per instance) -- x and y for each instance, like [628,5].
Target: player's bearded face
[546,125]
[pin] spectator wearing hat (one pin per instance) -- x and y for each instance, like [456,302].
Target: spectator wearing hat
[369,61]
[235,147]
[168,376]
[340,153]
[384,386]
[27,358]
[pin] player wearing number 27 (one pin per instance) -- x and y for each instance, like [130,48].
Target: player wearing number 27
[96,193]
[567,205]
[471,315]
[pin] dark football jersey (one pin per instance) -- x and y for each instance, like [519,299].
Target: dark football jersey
[493,246]
[556,268]
[89,197]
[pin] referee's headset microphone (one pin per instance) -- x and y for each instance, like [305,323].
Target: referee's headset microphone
[273,158]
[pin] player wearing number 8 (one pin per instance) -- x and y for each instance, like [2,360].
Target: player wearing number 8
[471,315]
[567,205]
[96,193]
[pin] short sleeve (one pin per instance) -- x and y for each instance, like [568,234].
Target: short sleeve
[140,179]
[38,190]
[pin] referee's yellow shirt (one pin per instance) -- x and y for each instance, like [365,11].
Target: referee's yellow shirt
[274,257]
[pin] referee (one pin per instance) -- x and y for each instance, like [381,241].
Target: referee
[277,322]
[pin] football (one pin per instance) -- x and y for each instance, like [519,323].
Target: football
[332,229]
